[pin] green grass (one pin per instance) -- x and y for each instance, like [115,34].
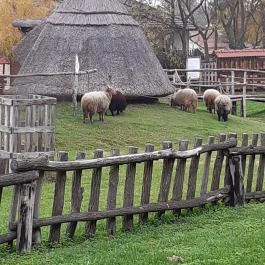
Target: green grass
[216,235]
[141,124]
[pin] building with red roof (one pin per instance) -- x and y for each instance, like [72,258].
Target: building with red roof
[240,59]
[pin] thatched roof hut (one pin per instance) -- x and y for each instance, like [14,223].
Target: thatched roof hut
[105,37]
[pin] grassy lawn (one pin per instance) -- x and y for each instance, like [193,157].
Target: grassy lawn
[215,235]
[141,124]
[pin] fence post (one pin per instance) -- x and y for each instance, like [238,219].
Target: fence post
[179,176]
[205,174]
[58,200]
[127,221]
[244,96]
[25,218]
[114,175]
[255,138]
[168,164]
[233,82]
[236,181]
[90,229]
[146,186]
[36,236]
[77,196]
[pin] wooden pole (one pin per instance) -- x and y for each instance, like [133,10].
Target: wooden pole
[77,196]
[147,182]
[244,96]
[233,82]
[166,176]
[75,88]
[114,176]
[237,194]
[127,221]
[25,219]
[36,236]
[58,200]
[90,229]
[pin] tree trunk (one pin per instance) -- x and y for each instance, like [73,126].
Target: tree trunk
[184,41]
[263,24]
[206,48]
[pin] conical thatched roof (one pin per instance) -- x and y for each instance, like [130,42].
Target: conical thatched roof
[105,37]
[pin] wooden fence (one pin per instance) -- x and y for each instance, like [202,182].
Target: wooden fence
[218,170]
[231,81]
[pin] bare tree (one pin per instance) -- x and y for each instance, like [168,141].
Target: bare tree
[170,13]
[202,22]
[234,16]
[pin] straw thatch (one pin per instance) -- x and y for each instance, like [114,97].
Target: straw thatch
[105,37]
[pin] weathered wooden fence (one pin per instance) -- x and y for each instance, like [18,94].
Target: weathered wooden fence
[189,178]
[27,125]
[232,81]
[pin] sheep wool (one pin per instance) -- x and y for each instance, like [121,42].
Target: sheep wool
[209,97]
[223,106]
[186,99]
[96,102]
[118,103]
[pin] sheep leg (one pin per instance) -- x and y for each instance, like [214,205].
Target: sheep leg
[112,112]
[101,116]
[90,117]
[118,112]
[84,117]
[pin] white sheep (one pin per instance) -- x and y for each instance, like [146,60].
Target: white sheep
[96,102]
[209,97]
[186,99]
[223,106]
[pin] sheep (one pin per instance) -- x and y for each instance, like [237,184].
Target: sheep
[118,103]
[223,106]
[209,96]
[186,99]
[96,102]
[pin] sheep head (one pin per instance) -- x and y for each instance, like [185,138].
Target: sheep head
[110,91]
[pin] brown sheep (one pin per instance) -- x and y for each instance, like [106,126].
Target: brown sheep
[118,103]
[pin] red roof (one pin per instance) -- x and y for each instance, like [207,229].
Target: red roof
[240,53]
[4,61]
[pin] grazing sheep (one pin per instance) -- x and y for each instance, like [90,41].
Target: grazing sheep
[223,106]
[96,102]
[209,97]
[118,103]
[186,99]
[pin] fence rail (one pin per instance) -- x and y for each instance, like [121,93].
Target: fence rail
[231,80]
[227,161]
